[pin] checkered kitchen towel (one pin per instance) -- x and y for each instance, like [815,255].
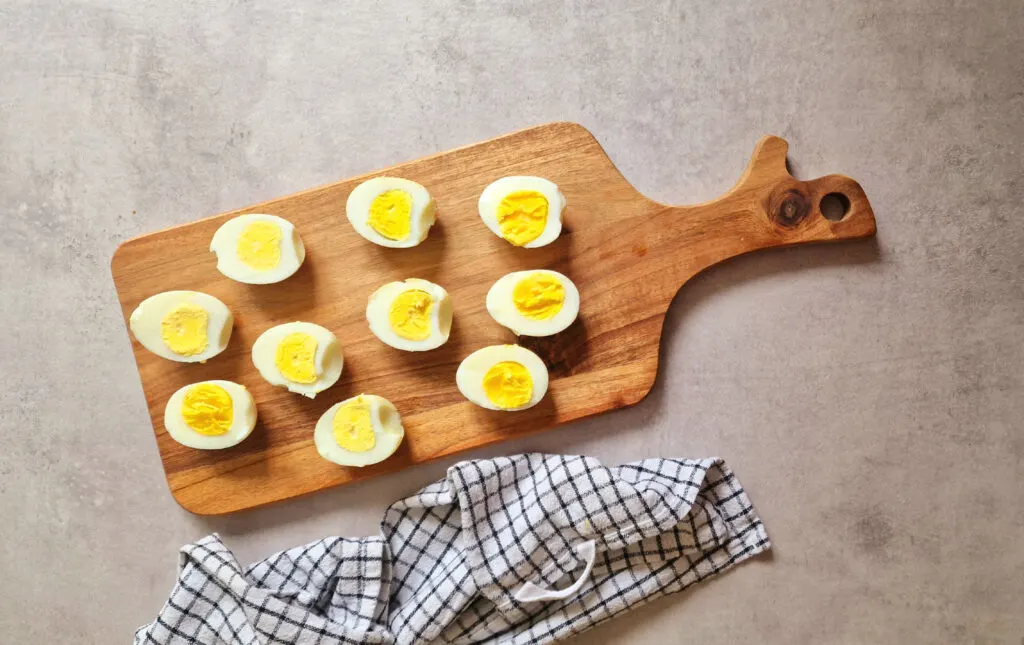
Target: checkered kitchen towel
[526,549]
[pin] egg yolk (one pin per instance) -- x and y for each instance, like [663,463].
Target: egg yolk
[391,214]
[353,429]
[522,216]
[538,296]
[259,245]
[508,385]
[184,329]
[208,409]
[409,314]
[295,358]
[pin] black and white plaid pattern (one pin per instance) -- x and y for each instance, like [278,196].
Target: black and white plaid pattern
[453,560]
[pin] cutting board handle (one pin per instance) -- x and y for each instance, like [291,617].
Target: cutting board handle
[788,203]
[767,207]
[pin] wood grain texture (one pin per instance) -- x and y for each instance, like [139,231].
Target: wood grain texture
[627,254]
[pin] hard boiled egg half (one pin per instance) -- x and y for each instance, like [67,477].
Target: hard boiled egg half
[258,249]
[183,326]
[525,211]
[210,415]
[534,303]
[503,377]
[360,431]
[301,356]
[391,211]
[414,315]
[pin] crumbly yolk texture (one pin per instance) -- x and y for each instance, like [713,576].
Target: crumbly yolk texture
[353,429]
[184,329]
[391,214]
[522,216]
[295,358]
[508,385]
[259,245]
[409,315]
[208,409]
[538,296]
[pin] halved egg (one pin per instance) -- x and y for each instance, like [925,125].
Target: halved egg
[301,356]
[414,315]
[391,211]
[360,431]
[525,211]
[258,249]
[210,415]
[182,326]
[534,303]
[503,377]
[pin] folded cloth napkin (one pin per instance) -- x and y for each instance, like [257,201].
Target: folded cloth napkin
[525,549]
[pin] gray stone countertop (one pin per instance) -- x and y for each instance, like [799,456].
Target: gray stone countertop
[869,395]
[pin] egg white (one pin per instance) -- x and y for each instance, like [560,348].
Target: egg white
[145,324]
[244,420]
[379,306]
[328,359]
[387,426]
[492,196]
[470,375]
[225,245]
[502,308]
[422,216]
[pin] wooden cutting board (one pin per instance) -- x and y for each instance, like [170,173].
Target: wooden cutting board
[627,254]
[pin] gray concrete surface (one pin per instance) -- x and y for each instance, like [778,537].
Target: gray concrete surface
[870,396]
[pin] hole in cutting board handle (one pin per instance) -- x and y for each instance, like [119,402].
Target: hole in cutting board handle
[834,206]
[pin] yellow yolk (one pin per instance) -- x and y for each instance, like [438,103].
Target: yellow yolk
[208,409]
[184,329]
[295,358]
[259,245]
[391,214]
[353,429]
[508,385]
[538,296]
[409,314]
[522,216]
